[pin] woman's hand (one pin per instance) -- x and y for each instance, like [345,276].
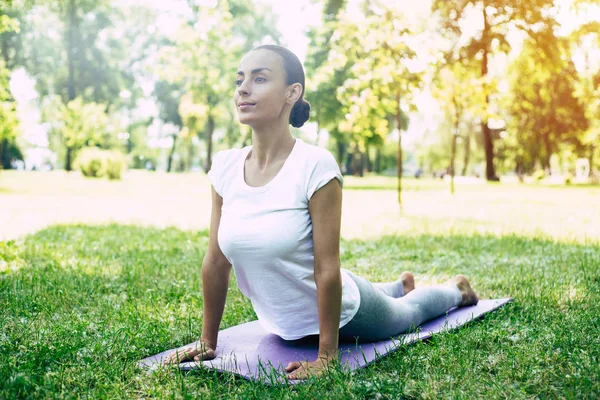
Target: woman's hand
[304,369]
[197,352]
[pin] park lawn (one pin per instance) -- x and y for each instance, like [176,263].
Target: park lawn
[82,303]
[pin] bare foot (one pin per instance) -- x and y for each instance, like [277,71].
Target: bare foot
[469,298]
[408,282]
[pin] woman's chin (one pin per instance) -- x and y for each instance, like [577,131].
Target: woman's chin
[245,120]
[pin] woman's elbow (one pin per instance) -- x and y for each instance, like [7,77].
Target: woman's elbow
[328,275]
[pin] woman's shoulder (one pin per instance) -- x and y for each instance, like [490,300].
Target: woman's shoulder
[317,153]
[228,156]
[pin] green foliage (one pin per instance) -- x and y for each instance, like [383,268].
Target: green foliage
[73,51]
[140,156]
[544,113]
[569,179]
[458,90]
[498,17]
[94,162]
[8,24]
[539,174]
[91,162]
[8,114]
[374,56]
[9,124]
[75,124]
[115,165]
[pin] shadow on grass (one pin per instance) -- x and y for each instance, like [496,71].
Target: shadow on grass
[84,303]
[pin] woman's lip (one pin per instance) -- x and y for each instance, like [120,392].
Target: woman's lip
[245,105]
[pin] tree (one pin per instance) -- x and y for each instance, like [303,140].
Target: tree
[456,89]
[326,109]
[376,56]
[498,17]
[194,119]
[544,113]
[584,39]
[71,53]
[168,96]
[9,126]
[75,125]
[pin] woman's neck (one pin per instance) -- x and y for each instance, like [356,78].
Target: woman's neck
[270,145]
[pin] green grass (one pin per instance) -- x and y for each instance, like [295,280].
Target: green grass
[84,303]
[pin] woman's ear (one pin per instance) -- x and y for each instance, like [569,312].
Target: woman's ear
[294,92]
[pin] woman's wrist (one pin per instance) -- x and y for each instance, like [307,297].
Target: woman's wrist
[208,343]
[327,355]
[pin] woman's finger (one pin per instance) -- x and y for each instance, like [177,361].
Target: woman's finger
[179,355]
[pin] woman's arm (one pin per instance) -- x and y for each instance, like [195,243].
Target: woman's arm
[325,209]
[216,271]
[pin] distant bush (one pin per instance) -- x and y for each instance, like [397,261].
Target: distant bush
[539,175]
[142,159]
[569,179]
[97,163]
[91,161]
[115,164]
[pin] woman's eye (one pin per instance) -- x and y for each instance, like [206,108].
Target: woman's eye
[239,82]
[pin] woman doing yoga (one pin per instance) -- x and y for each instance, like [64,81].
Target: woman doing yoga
[276,216]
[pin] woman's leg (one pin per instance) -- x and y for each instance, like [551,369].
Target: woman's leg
[380,316]
[404,285]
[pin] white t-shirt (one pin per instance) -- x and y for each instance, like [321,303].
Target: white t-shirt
[266,234]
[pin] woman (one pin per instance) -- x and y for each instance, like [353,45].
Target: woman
[276,214]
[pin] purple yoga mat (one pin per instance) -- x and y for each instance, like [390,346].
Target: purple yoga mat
[249,351]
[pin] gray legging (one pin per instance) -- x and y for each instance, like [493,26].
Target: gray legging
[384,311]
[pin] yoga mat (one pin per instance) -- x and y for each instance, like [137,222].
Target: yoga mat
[249,351]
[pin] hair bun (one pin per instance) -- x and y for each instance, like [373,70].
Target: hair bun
[300,113]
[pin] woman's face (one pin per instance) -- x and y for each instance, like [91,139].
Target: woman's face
[261,83]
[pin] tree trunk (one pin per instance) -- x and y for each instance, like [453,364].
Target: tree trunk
[356,168]
[488,144]
[368,159]
[210,128]
[467,154]
[548,154]
[378,159]
[5,154]
[69,159]
[399,155]
[172,153]
[190,157]
[519,169]
[341,148]
[5,162]
[71,74]
[452,158]
[70,45]
[363,163]
[591,158]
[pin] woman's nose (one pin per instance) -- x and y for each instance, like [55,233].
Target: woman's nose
[242,89]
